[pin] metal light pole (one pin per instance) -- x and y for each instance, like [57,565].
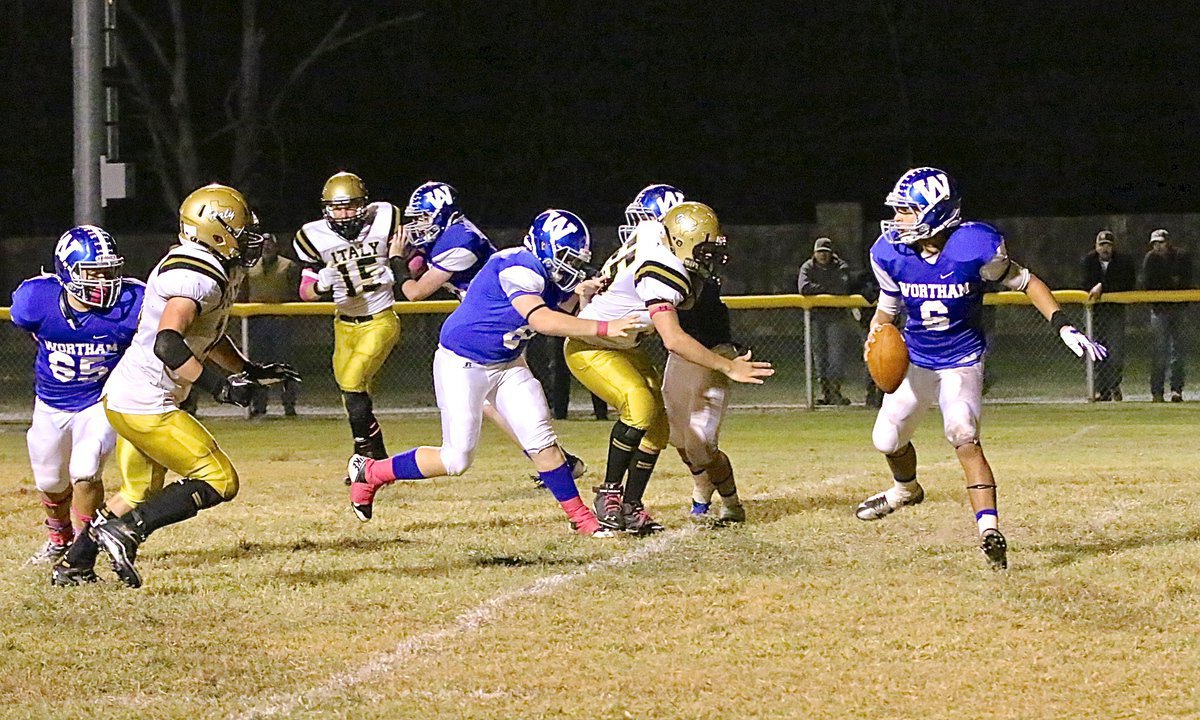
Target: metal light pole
[87,60]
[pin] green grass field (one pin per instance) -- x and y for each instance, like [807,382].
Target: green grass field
[468,597]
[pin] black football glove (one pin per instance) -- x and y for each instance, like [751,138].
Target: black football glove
[270,373]
[237,389]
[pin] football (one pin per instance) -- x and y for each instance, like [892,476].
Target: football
[887,357]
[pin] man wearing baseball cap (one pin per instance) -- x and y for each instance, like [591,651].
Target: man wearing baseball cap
[827,274]
[1166,267]
[1105,270]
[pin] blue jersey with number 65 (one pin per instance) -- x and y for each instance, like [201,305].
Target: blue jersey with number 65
[76,350]
[943,294]
[486,327]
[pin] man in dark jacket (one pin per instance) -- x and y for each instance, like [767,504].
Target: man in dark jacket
[1167,268]
[1104,270]
[827,274]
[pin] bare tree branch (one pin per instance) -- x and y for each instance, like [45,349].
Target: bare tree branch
[147,34]
[331,41]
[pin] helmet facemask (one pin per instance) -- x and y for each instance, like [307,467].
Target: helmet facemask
[96,283]
[708,258]
[569,267]
[346,217]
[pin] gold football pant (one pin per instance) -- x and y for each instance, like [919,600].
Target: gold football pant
[360,349]
[627,381]
[150,445]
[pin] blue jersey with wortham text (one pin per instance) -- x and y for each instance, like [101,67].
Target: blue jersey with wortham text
[486,327]
[76,350]
[461,250]
[943,298]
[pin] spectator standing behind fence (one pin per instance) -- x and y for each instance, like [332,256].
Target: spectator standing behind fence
[1105,270]
[273,280]
[827,274]
[1166,267]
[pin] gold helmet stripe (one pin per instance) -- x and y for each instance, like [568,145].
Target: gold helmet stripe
[305,246]
[198,266]
[665,274]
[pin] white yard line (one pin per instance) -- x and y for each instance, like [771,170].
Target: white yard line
[487,611]
[482,615]
[466,623]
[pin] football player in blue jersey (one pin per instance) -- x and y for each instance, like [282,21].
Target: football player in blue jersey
[519,292]
[83,317]
[446,250]
[935,264]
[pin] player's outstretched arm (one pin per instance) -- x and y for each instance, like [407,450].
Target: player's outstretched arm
[676,339]
[546,321]
[1078,343]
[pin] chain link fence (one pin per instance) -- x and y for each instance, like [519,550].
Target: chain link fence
[813,341]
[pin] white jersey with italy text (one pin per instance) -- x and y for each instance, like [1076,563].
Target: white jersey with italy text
[141,384]
[358,261]
[641,273]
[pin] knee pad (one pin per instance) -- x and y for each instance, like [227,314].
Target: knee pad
[701,453]
[49,481]
[886,437]
[454,461]
[94,479]
[657,434]
[961,428]
[85,464]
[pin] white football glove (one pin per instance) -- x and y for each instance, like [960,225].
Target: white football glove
[329,278]
[382,274]
[1081,344]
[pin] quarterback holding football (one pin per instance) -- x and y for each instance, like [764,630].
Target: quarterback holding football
[935,264]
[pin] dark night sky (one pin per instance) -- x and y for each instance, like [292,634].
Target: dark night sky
[761,109]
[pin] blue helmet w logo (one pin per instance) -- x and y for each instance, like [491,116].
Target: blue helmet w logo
[930,196]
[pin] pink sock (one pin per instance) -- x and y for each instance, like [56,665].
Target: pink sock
[573,506]
[379,472]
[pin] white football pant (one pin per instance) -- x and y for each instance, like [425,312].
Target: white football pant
[463,386]
[696,400]
[958,392]
[66,447]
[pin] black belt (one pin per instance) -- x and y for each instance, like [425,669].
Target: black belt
[356,319]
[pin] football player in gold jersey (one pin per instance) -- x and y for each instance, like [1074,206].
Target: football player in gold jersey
[182,325]
[346,254]
[655,272]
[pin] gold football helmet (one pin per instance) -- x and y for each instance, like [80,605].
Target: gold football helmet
[217,217]
[694,236]
[344,204]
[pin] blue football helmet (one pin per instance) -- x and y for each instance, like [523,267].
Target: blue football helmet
[562,242]
[650,204]
[433,207]
[88,267]
[932,196]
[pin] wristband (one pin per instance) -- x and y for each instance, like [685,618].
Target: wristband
[601,328]
[1059,320]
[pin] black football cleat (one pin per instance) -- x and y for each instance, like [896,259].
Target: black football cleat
[638,521]
[120,542]
[995,549]
[64,575]
[608,506]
